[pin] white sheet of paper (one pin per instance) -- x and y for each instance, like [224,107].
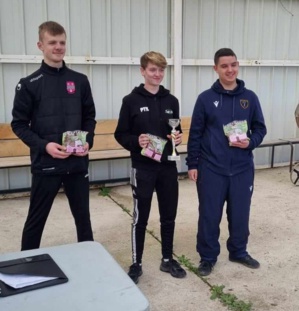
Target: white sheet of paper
[22,280]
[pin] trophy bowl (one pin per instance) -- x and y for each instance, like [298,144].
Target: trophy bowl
[173,123]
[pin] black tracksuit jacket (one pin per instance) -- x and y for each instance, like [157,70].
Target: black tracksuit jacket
[145,113]
[47,103]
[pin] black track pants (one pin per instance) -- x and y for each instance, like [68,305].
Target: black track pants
[144,182]
[43,192]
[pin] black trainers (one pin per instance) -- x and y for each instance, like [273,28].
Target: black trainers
[173,267]
[205,268]
[135,272]
[247,261]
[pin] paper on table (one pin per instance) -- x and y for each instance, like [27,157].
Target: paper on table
[22,280]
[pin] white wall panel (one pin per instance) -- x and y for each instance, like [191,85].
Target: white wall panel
[12,27]
[100,17]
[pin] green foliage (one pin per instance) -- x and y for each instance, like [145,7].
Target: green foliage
[126,210]
[229,300]
[187,263]
[104,192]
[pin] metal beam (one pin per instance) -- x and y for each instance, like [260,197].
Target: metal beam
[177,47]
[175,61]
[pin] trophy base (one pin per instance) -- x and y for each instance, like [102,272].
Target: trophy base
[174,158]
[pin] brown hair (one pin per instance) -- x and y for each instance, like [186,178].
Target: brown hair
[52,28]
[153,57]
[223,52]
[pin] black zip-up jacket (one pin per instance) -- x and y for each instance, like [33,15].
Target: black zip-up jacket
[47,103]
[145,113]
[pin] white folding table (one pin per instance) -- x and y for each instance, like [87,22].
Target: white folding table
[96,283]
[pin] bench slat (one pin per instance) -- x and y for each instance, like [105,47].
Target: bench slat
[9,162]
[13,147]
[6,132]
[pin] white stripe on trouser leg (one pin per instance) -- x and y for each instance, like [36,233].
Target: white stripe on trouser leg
[133,182]
[135,220]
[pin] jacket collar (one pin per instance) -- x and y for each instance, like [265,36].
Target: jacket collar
[53,70]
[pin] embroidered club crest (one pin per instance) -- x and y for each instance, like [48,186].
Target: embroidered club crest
[70,87]
[244,103]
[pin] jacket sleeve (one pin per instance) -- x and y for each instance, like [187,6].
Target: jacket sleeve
[22,114]
[257,126]
[123,133]
[195,134]
[88,112]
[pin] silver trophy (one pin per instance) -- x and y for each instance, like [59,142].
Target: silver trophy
[173,123]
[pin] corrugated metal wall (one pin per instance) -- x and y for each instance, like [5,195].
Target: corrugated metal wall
[107,37]
[264,35]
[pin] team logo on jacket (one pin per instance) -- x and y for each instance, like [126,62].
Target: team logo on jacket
[244,103]
[168,111]
[143,109]
[70,87]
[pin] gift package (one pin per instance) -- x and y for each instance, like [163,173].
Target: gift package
[74,141]
[154,148]
[236,131]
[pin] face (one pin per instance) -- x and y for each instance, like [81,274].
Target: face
[53,48]
[227,70]
[153,75]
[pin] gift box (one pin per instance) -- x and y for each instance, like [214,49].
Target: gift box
[74,141]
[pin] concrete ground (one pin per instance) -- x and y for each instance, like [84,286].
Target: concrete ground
[273,241]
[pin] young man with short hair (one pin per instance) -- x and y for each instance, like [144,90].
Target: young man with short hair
[53,100]
[227,124]
[146,111]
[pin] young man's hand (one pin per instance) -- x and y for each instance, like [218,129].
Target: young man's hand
[143,140]
[57,151]
[178,137]
[243,144]
[193,174]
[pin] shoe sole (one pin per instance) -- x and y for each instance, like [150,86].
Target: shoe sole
[244,264]
[205,274]
[136,282]
[175,276]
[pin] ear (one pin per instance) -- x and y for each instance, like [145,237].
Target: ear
[142,71]
[215,68]
[40,45]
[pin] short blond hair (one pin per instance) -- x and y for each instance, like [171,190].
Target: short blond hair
[155,58]
[51,27]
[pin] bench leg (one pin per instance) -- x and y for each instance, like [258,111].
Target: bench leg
[272,156]
[291,156]
[295,174]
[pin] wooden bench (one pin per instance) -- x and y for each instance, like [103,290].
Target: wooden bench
[14,153]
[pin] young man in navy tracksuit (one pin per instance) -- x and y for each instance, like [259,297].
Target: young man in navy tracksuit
[147,110]
[221,162]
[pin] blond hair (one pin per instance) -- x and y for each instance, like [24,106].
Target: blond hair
[155,58]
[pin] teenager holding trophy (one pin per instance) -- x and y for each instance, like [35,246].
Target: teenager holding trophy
[144,128]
